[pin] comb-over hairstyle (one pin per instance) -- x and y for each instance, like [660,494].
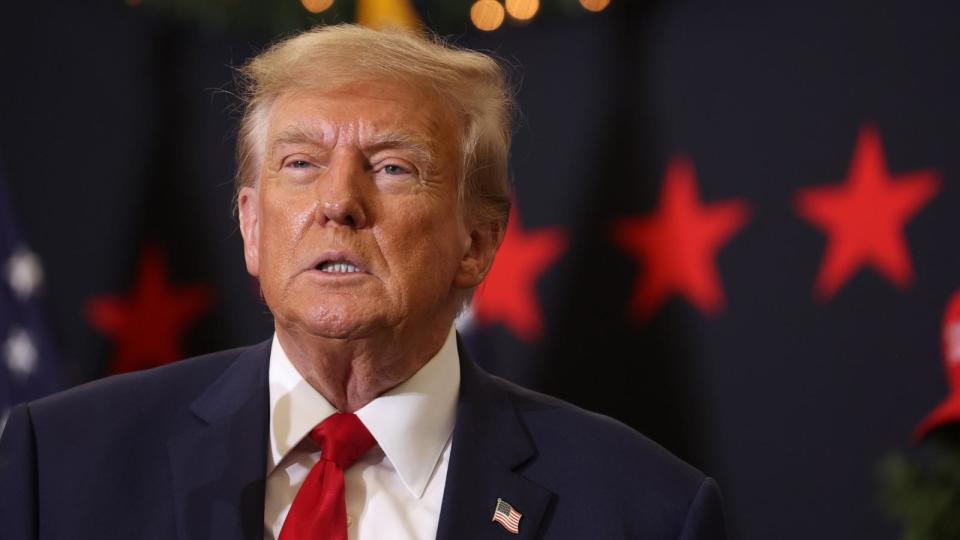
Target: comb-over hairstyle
[470,83]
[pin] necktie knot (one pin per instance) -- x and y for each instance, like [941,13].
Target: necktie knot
[342,439]
[319,510]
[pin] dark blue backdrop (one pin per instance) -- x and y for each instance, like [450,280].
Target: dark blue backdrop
[115,138]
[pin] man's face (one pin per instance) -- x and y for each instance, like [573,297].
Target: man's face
[354,225]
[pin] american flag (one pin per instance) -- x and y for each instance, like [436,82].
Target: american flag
[27,366]
[507,516]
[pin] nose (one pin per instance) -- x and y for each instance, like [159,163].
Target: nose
[341,195]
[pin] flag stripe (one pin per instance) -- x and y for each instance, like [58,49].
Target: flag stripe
[505,515]
[27,365]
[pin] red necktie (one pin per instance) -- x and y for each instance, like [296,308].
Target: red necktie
[320,510]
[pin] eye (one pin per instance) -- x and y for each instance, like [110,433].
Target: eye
[394,170]
[298,164]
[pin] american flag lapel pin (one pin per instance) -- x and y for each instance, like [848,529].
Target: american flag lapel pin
[507,516]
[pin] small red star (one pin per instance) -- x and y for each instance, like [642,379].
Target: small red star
[678,243]
[864,217]
[508,294]
[147,325]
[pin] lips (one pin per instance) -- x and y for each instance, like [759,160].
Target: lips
[337,267]
[338,262]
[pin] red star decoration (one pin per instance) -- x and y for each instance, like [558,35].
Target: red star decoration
[147,325]
[678,243]
[864,217]
[508,294]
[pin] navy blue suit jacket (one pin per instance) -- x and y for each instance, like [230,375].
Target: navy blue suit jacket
[180,452]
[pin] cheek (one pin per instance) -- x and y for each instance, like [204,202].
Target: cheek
[427,245]
[291,211]
[283,223]
[283,202]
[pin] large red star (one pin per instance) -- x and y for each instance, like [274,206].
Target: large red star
[148,324]
[864,217]
[508,294]
[678,243]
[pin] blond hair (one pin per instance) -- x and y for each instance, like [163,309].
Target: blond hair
[472,84]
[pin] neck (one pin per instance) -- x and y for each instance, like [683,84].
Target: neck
[350,373]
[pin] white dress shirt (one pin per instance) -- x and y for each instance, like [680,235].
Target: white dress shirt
[395,490]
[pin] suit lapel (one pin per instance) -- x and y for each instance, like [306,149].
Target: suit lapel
[490,446]
[219,461]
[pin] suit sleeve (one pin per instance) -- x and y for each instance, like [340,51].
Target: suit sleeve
[705,519]
[18,476]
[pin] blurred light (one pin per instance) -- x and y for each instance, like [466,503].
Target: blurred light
[487,15]
[523,9]
[133,3]
[316,6]
[594,5]
[380,14]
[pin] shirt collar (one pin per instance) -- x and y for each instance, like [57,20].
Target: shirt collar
[411,422]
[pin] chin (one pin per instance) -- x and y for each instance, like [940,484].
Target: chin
[338,322]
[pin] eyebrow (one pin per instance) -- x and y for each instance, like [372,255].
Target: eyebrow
[295,135]
[382,140]
[385,140]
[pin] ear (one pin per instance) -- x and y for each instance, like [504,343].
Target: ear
[481,246]
[248,208]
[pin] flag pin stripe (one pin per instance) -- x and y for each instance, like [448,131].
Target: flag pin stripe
[507,516]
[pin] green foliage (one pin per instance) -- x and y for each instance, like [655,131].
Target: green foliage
[922,489]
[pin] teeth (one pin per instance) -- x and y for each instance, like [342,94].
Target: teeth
[338,267]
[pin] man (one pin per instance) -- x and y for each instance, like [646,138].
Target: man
[372,196]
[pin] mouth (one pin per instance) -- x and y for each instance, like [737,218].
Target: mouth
[337,267]
[338,263]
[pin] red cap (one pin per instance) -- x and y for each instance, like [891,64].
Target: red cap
[948,412]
